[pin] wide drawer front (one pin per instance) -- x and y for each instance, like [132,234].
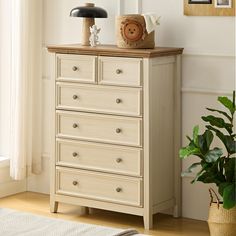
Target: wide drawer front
[100,157]
[76,68]
[104,187]
[124,101]
[101,128]
[120,71]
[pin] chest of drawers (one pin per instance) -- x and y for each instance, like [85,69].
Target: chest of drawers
[116,129]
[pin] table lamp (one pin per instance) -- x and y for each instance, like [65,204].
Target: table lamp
[89,12]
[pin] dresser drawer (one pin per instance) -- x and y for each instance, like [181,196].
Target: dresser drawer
[76,68]
[120,71]
[104,187]
[101,128]
[100,157]
[124,101]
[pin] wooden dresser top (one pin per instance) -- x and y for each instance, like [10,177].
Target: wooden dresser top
[112,50]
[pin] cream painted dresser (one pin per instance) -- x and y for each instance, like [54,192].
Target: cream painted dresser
[117,129]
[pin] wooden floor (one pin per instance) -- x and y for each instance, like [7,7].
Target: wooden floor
[163,225]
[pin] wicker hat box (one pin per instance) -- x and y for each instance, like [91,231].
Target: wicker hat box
[131,32]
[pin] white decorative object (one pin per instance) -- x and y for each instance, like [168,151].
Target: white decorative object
[152,21]
[94,36]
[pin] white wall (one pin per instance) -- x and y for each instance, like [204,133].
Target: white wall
[208,68]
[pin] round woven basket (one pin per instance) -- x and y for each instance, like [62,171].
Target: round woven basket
[221,222]
[131,32]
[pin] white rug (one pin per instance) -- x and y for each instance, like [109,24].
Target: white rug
[14,223]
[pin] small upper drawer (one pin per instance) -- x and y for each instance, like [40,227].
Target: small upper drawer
[114,100]
[76,68]
[120,71]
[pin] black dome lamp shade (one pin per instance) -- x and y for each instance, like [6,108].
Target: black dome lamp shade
[88,12]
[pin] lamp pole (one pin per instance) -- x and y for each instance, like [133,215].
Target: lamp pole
[87,23]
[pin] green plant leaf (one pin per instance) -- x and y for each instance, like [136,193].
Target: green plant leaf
[208,177]
[202,144]
[222,187]
[215,121]
[204,141]
[190,169]
[230,144]
[225,101]
[227,140]
[221,112]
[195,134]
[221,165]
[230,169]
[205,166]
[216,169]
[213,155]
[211,174]
[234,99]
[208,135]
[229,196]
[189,138]
[218,122]
[188,151]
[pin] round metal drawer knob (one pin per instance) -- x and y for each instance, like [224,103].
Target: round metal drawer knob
[75,154]
[75,68]
[118,101]
[118,160]
[75,183]
[75,126]
[118,190]
[118,71]
[75,97]
[118,131]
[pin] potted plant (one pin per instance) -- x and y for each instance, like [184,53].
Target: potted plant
[217,165]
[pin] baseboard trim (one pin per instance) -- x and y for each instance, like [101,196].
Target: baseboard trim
[206,54]
[207,91]
[163,206]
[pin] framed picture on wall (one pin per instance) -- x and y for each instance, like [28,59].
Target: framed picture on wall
[200,1]
[223,3]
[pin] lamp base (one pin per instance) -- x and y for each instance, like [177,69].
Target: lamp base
[87,23]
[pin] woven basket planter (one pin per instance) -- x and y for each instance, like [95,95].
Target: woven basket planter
[131,32]
[221,222]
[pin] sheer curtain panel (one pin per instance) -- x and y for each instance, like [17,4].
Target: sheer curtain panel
[25,86]
[5,73]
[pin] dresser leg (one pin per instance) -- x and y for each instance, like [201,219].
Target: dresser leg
[148,221]
[176,212]
[90,211]
[87,210]
[84,210]
[53,206]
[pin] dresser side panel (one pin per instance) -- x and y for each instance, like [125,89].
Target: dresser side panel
[178,135]
[148,186]
[53,69]
[162,131]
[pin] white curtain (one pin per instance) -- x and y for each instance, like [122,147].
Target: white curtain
[25,86]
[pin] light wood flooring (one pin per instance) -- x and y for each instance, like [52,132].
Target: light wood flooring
[163,225]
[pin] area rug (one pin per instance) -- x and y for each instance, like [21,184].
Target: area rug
[14,223]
